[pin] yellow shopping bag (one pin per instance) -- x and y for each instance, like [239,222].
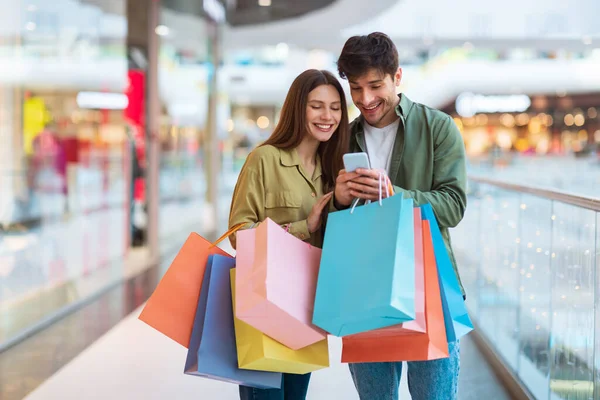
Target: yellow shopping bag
[257,351]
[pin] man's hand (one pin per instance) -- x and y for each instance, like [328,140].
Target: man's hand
[366,185]
[343,194]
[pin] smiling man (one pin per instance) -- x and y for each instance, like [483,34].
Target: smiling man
[423,154]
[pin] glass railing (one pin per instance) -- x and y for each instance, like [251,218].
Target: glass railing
[528,259]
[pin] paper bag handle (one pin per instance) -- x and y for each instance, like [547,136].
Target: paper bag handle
[230,232]
[382,175]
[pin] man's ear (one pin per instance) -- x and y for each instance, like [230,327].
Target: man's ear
[398,77]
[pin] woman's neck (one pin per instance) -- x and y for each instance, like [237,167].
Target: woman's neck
[307,150]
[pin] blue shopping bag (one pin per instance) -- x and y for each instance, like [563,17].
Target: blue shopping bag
[367,271]
[212,352]
[456,317]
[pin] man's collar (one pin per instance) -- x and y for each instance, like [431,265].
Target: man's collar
[404,106]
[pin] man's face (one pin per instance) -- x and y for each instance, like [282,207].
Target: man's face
[374,93]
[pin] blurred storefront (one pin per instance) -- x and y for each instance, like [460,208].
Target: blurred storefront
[64,152]
[105,133]
[248,126]
[185,75]
[497,127]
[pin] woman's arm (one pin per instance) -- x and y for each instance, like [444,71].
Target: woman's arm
[248,200]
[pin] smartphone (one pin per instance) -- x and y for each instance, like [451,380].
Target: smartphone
[353,161]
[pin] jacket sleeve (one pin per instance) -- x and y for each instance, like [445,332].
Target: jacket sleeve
[448,196]
[248,199]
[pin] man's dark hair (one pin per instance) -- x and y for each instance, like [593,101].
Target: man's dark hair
[362,53]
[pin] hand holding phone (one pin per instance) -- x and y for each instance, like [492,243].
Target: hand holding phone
[366,186]
[354,161]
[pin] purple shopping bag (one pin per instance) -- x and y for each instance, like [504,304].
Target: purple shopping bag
[212,352]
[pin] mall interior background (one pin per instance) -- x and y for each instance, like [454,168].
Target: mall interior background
[123,126]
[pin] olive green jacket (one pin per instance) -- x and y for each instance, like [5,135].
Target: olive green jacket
[428,163]
[273,184]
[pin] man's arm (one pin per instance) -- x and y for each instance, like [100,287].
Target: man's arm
[448,196]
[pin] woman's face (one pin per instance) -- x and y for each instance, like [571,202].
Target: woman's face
[323,112]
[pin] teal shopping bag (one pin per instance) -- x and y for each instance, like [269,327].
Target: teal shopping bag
[367,271]
[456,317]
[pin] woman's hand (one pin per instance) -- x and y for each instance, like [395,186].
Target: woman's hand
[314,218]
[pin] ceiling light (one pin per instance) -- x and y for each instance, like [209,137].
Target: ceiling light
[264,3]
[579,120]
[102,101]
[282,50]
[569,120]
[215,9]
[262,122]
[162,30]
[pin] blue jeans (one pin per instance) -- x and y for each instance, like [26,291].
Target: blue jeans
[427,380]
[293,387]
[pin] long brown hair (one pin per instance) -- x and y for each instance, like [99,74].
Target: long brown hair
[293,125]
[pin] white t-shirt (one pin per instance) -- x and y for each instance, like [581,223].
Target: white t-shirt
[380,143]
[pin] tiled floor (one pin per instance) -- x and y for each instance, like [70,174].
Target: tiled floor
[133,361]
[477,379]
[26,365]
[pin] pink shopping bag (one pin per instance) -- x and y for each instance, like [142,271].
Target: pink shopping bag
[276,282]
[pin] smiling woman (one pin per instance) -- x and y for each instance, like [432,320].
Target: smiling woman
[323,112]
[290,177]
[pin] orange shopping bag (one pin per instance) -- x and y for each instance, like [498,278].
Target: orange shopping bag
[384,346]
[172,307]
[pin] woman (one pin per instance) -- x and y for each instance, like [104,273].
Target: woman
[291,177]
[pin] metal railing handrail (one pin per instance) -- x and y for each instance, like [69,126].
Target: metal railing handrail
[590,203]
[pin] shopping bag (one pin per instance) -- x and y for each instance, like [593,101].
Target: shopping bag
[212,352]
[419,324]
[456,316]
[367,273]
[172,306]
[275,290]
[257,351]
[407,346]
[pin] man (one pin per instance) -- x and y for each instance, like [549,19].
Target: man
[423,153]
